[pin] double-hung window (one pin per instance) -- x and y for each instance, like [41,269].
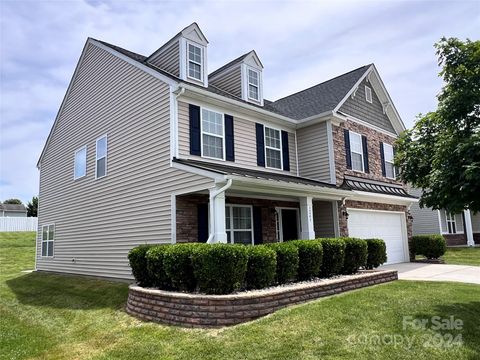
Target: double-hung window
[239,224]
[48,236]
[212,134]
[273,148]
[195,64]
[80,166]
[101,157]
[451,223]
[253,85]
[356,149]
[389,165]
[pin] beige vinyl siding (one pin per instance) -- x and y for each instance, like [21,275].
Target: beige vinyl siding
[244,142]
[229,80]
[169,58]
[313,157]
[97,221]
[323,220]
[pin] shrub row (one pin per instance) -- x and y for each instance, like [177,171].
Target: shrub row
[431,246]
[225,268]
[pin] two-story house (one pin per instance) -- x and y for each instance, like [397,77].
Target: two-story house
[154,149]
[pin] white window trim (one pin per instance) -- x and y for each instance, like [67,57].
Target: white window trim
[210,134]
[75,177]
[351,151]
[249,83]
[368,91]
[232,230]
[48,240]
[97,158]
[202,52]
[272,148]
[452,220]
[385,145]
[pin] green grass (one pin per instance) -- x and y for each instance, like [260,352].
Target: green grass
[45,316]
[463,256]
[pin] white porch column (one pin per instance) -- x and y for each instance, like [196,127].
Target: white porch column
[468,228]
[306,216]
[219,234]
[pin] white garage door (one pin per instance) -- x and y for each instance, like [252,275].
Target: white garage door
[388,226]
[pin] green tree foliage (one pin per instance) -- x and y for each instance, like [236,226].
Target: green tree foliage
[32,207]
[441,154]
[13,201]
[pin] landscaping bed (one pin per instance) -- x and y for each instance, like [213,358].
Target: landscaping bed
[201,310]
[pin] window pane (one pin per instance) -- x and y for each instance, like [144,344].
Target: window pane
[273,158]
[253,77]
[49,248]
[242,218]
[194,70]
[229,237]
[101,167]
[242,237]
[272,138]
[101,147]
[51,232]
[44,248]
[194,53]
[212,146]
[357,162]
[389,170]
[80,163]
[227,218]
[356,143]
[44,233]
[253,92]
[212,122]
[388,152]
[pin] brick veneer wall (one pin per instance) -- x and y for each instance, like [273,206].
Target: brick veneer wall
[374,160]
[196,310]
[455,239]
[187,215]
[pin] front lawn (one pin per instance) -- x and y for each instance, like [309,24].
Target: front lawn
[463,256]
[45,316]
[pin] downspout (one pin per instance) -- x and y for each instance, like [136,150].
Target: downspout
[213,195]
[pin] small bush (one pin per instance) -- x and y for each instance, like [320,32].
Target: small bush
[177,262]
[287,261]
[261,267]
[220,268]
[155,267]
[138,263]
[431,246]
[333,257]
[356,252]
[377,253]
[310,253]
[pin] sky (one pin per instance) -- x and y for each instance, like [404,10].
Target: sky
[300,43]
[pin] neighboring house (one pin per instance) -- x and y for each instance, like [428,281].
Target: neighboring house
[13,210]
[457,229]
[204,157]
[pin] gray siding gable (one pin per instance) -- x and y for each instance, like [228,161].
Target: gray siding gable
[363,110]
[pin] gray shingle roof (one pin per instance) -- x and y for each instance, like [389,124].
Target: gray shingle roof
[227,65]
[12,207]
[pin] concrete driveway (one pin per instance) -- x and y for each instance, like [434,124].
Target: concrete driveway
[436,272]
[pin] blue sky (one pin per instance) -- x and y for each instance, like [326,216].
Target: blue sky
[300,43]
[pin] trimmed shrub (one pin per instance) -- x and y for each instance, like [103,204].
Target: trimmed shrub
[431,246]
[155,267]
[177,262]
[356,252]
[310,254]
[377,253]
[287,261]
[261,267]
[220,268]
[333,257]
[138,263]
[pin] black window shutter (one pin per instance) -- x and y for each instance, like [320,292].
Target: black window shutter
[260,145]
[194,112]
[229,143]
[285,151]
[348,155]
[382,159]
[365,154]
[202,211]
[257,225]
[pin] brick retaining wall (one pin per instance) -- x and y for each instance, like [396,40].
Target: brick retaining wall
[197,310]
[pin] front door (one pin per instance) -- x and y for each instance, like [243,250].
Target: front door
[289,224]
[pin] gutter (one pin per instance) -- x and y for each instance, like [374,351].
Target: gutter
[213,195]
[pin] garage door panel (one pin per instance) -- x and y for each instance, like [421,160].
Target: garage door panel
[388,226]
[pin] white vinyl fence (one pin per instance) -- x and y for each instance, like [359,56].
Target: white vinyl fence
[18,224]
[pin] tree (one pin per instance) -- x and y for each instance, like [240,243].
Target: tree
[441,153]
[32,207]
[13,201]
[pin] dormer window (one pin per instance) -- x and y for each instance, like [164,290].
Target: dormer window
[195,62]
[253,83]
